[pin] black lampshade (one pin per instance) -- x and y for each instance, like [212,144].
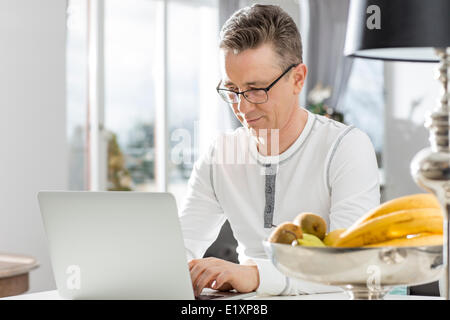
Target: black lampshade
[408,29]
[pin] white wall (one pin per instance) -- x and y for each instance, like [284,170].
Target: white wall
[33,153]
[411,89]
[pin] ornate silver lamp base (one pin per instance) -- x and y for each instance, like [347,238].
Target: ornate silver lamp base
[430,168]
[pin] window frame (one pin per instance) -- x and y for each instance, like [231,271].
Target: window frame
[96,135]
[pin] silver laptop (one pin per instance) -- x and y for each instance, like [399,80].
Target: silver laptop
[118,245]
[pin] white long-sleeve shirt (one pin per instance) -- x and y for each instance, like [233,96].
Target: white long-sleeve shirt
[330,170]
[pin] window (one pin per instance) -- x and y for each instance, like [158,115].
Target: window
[76,92]
[192,77]
[363,102]
[363,105]
[129,108]
[131,86]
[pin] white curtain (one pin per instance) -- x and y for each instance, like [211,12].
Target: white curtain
[324,47]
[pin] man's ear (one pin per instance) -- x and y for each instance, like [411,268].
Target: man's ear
[299,74]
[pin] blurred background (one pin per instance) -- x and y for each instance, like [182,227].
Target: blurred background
[120,95]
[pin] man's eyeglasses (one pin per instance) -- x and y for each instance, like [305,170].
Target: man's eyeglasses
[255,95]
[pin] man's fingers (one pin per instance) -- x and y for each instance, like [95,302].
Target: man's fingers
[227,275]
[224,287]
[195,272]
[201,264]
[205,279]
[204,271]
[193,262]
[221,280]
[198,269]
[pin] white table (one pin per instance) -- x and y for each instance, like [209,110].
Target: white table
[53,295]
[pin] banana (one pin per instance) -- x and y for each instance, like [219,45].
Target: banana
[413,201]
[332,236]
[392,225]
[424,239]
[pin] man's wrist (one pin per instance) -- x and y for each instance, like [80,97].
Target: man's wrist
[253,267]
[255,271]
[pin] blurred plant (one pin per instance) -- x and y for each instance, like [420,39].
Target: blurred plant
[319,94]
[118,176]
[316,103]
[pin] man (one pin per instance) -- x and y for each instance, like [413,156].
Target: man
[294,161]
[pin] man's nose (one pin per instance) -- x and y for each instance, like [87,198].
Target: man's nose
[244,106]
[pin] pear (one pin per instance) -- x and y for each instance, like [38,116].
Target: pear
[286,233]
[310,240]
[311,223]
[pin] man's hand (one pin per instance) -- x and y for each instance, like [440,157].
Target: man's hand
[223,275]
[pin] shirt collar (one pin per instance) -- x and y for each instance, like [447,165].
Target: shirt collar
[264,160]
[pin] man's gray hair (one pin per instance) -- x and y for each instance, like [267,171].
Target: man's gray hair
[250,27]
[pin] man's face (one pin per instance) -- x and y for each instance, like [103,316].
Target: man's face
[258,68]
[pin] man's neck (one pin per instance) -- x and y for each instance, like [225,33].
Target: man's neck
[275,142]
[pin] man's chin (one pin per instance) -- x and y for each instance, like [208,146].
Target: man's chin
[257,131]
[261,130]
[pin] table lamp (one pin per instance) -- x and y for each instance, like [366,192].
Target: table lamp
[415,31]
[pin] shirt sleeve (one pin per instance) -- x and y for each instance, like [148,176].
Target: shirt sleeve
[353,179]
[354,189]
[201,216]
[273,282]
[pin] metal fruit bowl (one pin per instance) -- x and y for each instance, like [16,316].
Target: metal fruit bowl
[364,273]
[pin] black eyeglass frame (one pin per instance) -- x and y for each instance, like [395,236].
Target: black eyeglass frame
[218,89]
